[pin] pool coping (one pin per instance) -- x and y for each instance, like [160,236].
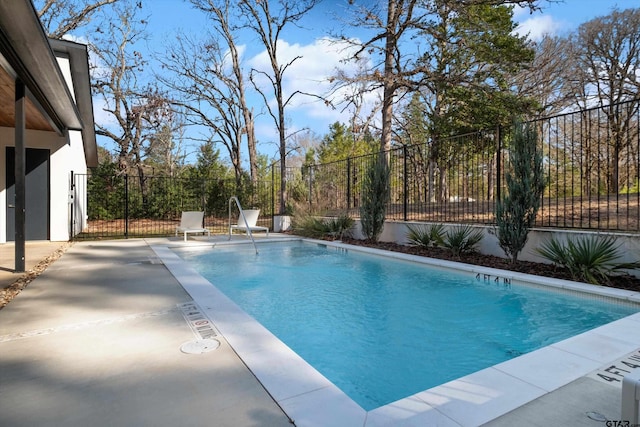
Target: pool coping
[304,393]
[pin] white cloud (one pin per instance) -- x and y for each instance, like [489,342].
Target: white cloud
[519,11]
[538,26]
[310,72]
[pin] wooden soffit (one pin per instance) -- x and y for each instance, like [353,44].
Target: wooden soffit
[34,118]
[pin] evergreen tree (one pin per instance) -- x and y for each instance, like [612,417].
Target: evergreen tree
[516,212]
[375,195]
[340,143]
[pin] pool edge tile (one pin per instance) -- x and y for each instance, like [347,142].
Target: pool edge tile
[327,406]
[480,397]
[548,368]
[410,411]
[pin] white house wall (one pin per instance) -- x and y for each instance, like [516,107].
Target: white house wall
[75,160]
[69,158]
[66,156]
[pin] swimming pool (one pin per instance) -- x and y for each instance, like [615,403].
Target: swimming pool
[421,328]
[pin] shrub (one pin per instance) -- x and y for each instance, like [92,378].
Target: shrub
[588,259]
[426,236]
[462,239]
[516,212]
[317,228]
[375,194]
[308,226]
[340,227]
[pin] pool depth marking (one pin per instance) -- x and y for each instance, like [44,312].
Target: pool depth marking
[613,373]
[496,279]
[199,323]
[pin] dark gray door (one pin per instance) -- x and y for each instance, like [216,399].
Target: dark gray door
[37,194]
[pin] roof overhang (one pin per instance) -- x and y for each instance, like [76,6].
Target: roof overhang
[79,63]
[25,54]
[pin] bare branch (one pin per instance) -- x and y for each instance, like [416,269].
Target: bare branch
[61,17]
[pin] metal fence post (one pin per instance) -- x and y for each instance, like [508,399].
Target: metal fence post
[273,197]
[348,183]
[404,182]
[498,163]
[126,206]
[310,187]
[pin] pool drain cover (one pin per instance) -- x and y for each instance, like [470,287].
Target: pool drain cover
[199,346]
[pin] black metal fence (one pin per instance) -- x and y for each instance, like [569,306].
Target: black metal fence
[122,206]
[591,164]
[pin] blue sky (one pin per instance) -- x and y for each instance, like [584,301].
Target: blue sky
[319,58]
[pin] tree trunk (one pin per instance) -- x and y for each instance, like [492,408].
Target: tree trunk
[283,159]
[251,146]
[389,83]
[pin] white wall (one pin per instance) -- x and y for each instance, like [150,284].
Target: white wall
[63,161]
[66,156]
[69,159]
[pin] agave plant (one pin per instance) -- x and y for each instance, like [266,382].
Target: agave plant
[308,226]
[317,228]
[588,259]
[426,236]
[462,239]
[340,226]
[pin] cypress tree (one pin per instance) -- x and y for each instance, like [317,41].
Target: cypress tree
[375,194]
[516,212]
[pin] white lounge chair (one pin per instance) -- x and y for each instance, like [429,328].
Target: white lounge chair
[191,222]
[252,218]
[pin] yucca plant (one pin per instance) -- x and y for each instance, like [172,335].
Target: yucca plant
[462,239]
[588,259]
[426,236]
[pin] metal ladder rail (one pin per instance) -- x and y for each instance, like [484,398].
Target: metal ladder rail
[234,198]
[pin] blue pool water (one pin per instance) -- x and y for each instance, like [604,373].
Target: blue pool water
[384,329]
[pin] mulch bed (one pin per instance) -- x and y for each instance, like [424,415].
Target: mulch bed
[548,270]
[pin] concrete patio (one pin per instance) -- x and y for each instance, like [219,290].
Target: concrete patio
[95,340]
[35,252]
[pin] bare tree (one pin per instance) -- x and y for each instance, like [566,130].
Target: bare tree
[608,51]
[222,14]
[164,152]
[268,23]
[60,17]
[546,80]
[607,54]
[137,112]
[207,89]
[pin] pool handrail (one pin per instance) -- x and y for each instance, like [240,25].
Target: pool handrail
[248,229]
